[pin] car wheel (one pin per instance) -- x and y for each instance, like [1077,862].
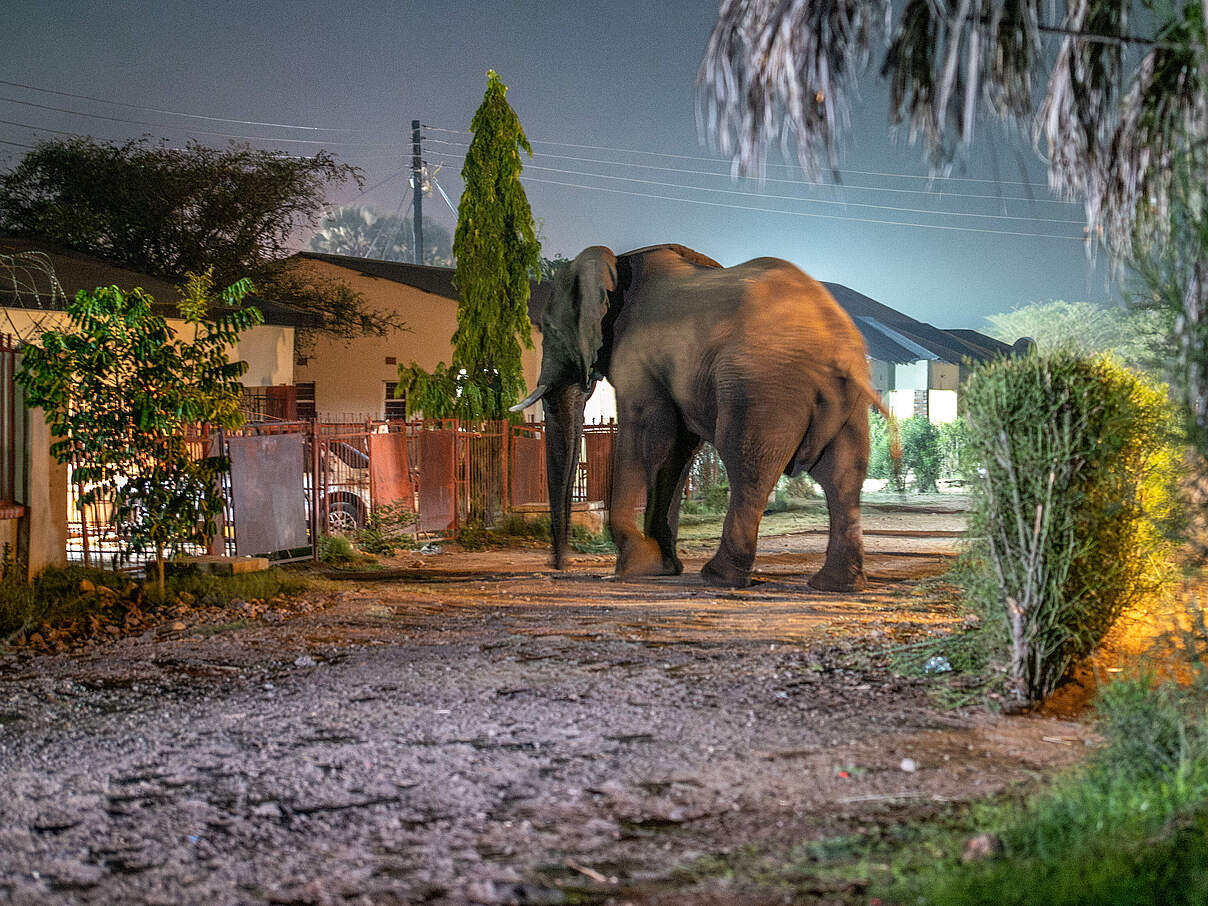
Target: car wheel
[343,517]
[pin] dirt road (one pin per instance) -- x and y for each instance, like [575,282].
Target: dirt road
[480,730]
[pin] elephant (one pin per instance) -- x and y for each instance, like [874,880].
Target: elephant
[757,359]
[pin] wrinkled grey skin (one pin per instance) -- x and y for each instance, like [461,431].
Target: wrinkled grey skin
[757,359]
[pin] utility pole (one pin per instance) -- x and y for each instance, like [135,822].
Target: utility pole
[417,192]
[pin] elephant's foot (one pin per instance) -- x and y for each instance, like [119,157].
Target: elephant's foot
[643,557]
[831,578]
[724,575]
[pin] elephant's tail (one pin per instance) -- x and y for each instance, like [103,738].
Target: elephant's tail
[895,435]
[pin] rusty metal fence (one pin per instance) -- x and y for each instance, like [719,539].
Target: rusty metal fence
[293,481]
[11,433]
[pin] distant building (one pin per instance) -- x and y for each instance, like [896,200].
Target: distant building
[918,369]
[28,305]
[351,380]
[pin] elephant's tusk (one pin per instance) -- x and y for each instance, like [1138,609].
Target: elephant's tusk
[530,399]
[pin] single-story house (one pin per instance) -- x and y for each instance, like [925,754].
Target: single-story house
[352,380]
[30,303]
[918,369]
[37,280]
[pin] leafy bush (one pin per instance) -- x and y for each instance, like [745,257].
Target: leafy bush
[958,463]
[386,530]
[922,454]
[337,549]
[120,390]
[708,503]
[880,459]
[1078,468]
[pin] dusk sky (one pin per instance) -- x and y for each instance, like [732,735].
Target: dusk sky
[606,93]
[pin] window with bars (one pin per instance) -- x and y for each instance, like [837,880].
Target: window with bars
[305,399]
[396,409]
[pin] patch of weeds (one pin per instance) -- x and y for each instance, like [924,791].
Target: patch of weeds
[77,601]
[220,591]
[515,526]
[514,529]
[474,537]
[387,530]
[585,541]
[1129,827]
[337,550]
[960,667]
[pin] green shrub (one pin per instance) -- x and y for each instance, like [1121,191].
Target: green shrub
[585,541]
[922,454]
[336,549]
[958,463]
[712,501]
[1078,468]
[386,530]
[880,460]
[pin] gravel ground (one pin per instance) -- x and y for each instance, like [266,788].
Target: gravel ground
[477,729]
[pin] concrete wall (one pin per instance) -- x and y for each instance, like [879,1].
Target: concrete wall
[881,375]
[943,376]
[43,530]
[267,348]
[350,376]
[269,352]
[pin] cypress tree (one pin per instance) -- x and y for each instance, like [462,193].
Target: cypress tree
[495,247]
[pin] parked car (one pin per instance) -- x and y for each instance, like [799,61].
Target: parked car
[345,503]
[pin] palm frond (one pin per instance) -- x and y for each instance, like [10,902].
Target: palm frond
[785,70]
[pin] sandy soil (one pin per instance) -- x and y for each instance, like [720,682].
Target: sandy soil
[474,728]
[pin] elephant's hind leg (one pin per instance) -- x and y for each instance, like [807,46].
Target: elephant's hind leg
[841,472]
[753,466]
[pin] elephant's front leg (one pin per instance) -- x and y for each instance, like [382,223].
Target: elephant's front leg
[662,503]
[644,443]
[841,472]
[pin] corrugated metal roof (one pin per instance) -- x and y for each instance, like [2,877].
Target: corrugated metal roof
[944,345]
[435,280]
[76,271]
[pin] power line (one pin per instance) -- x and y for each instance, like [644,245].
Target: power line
[17,145]
[722,160]
[381,182]
[258,138]
[792,182]
[36,128]
[721,204]
[819,201]
[461,132]
[195,116]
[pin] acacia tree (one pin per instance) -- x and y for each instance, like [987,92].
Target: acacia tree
[495,247]
[1124,133]
[1136,337]
[120,389]
[171,211]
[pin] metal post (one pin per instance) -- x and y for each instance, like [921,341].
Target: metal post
[417,192]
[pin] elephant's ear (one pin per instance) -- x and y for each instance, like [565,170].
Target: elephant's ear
[595,271]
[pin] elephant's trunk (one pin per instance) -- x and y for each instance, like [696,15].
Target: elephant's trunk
[563,435]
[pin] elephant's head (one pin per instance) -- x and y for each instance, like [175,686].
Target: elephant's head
[572,336]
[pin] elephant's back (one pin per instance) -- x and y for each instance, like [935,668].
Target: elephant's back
[778,290]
